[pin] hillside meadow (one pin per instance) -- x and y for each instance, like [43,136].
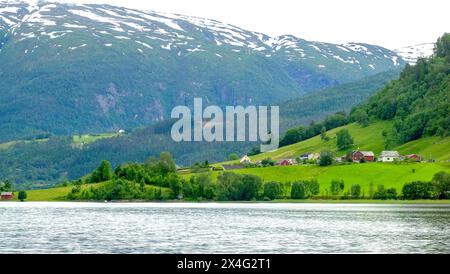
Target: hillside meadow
[388,174]
[365,138]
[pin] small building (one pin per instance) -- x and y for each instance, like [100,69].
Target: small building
[121,131]
[7,195]
[358,155]
[306,156]
[413,157]
[286,162]
[340,159]
[245,160]
[389,156]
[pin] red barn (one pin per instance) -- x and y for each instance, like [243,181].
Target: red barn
[414,157]
[286,162]
[358,155]
[7,195]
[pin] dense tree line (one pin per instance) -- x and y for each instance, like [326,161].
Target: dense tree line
[157,179]
[438,188]
[418,102]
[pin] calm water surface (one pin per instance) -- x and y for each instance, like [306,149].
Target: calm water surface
[223,228]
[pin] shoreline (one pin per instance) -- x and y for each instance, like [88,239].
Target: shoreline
[281,201]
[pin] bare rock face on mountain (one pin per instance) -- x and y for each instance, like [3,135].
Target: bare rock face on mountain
[73,68]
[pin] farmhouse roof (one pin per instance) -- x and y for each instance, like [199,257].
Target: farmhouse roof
[245,159]
[390,154]
[288,160]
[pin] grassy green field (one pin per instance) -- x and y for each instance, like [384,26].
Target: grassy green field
[388,174]
[429,147]
[12,143]
[365,138]
[7,145]
[79,140]
[50,195]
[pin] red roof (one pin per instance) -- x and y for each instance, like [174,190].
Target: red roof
[7,195]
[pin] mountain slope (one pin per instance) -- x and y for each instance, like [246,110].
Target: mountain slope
[414,113]
[72,68]
[365,138]
[318,105]
[51,160]
[419,101]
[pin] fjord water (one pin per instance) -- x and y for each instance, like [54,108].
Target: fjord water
[223,228]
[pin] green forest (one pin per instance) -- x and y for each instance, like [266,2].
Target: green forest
[418,102]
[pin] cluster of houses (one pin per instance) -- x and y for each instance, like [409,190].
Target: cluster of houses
[357,156]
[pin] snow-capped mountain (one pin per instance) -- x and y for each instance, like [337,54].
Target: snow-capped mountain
[411,53]
[84,67]
[174,32]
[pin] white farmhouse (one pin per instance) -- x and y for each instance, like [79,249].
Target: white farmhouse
[245,160]
[389,156]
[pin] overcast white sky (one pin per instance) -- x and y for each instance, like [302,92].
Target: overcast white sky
[389,23]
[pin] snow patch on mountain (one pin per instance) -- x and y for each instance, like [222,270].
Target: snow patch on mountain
[411,53]
[177,33]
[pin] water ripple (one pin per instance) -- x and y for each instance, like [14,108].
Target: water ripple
[223,228]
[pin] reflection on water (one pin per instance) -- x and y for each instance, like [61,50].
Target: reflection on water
[223,228]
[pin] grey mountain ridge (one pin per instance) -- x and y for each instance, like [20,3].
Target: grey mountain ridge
[75,68]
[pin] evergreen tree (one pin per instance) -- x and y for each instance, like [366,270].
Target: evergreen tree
[22,196]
